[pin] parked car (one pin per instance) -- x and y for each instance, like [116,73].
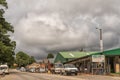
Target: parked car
[4,69]
[23,69]
[42,70]
[57,68]
[69,69]
[32,70]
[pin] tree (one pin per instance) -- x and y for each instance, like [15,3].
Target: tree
[50,56]
[7,46]
[32,60]
[22,59]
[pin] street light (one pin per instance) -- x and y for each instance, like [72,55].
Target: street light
[101,40]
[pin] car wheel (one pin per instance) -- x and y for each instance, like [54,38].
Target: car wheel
[75,73]
[3,74]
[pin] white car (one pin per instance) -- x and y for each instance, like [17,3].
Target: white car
[42,70]
[4,69]
[32,70]
[69,69]
[57,68]
[22,69]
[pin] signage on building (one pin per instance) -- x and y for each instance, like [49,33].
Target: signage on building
[98,58]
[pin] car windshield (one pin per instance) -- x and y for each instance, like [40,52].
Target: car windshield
[59,65]
[69,66]
[1,68]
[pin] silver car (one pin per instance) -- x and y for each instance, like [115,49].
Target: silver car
[69,69]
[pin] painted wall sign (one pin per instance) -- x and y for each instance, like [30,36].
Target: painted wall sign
[98,58]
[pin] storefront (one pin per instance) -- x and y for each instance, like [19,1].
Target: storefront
[99,63]
[112,60]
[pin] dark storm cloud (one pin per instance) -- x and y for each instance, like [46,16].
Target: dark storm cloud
[43,26]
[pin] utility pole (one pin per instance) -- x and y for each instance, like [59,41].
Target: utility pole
[101,48]
[101,40]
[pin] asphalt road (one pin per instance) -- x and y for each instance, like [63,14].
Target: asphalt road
[17,75]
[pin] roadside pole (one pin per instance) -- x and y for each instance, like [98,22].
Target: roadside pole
[101,48]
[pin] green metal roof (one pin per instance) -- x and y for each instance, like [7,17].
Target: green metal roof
[112,52]
[75,54]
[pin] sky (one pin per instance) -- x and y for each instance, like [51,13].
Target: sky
[50,26]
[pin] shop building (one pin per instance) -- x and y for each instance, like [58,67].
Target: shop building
[98,63]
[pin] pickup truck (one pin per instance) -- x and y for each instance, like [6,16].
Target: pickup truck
[56,69]
[69,69]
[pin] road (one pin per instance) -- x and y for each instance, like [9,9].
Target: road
[17,75]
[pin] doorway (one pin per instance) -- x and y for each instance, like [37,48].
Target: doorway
[111,63]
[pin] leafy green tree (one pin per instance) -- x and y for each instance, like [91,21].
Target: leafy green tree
[7,46]
[32,60]
[22,59]
[50,56]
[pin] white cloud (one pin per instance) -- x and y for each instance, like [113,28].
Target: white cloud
[43,26]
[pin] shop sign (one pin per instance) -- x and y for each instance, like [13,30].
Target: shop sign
[98,58]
